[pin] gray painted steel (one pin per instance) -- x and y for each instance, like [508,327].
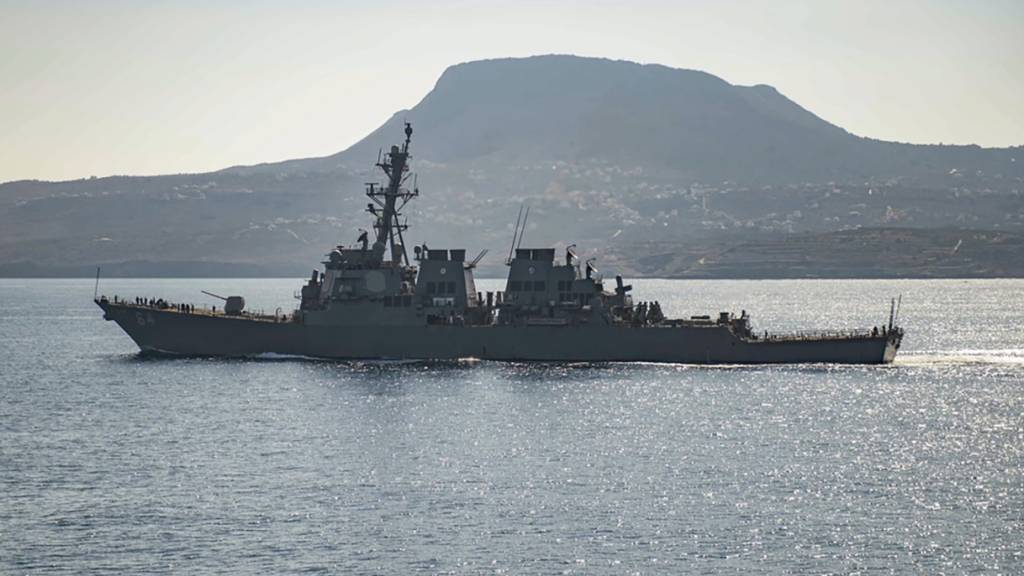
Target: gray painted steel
[176,333]
[370,302]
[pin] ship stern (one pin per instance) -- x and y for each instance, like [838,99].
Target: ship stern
[892,345]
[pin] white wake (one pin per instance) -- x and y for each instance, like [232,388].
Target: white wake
[932,357]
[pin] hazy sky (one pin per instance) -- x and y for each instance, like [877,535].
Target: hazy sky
[149,87]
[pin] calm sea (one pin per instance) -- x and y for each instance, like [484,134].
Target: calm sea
[110,463]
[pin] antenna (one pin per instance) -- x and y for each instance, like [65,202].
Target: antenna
[515,232]
[899,303]
[478,258]
[96,288]
[523,231]
[892,312]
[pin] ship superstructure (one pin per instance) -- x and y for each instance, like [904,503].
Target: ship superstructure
[371,301]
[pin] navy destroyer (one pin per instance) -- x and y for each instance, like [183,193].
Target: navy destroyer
[371,302]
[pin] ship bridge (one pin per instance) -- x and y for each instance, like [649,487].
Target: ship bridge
[445,280]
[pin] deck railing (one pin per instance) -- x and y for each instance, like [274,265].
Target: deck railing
[194,310]
[817,335]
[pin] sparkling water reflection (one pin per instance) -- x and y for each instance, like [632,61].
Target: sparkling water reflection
[114,463]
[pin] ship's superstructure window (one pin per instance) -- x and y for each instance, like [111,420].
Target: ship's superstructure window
[515,286]
[440,287]
[538,286]
[398,301]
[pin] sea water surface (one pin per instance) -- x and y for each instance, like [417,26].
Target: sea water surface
[113,463]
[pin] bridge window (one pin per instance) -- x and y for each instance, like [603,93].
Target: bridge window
[515,286]
[431,288]
[538,286]
[451,287]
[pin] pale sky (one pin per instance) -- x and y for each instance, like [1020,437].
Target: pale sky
[153,87]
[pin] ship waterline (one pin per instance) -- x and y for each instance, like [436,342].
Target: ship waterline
[169,332]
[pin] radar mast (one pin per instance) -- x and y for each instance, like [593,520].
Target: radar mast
[392,199]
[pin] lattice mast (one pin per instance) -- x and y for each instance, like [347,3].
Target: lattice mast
[389,201]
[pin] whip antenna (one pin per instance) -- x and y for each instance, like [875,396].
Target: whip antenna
[515,232]
[523,231]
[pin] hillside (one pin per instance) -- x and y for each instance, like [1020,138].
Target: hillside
[688,123]
[610,154]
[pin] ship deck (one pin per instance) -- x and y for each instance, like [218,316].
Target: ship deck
[194,310]
[278,318]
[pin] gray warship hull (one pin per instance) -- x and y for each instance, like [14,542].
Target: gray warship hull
[371,302]
[173,333]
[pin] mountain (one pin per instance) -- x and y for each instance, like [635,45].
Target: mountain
[617,155]
[693,124]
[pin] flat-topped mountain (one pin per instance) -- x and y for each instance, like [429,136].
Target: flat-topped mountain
[567,108]
[609,153]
